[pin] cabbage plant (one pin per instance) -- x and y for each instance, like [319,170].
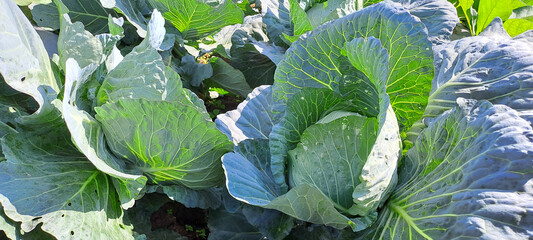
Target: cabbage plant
[323,144]
[377,125]
[108,128]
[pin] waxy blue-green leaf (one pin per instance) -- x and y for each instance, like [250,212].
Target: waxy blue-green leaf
[345,159]
[45,180]
[229,78]
[314,61]
[251,120]
[491,66]
[90,13]
[271,223]
[168,142]
[248,174]
[24,65]
[134,10]
[206,198]
[276,16]
[7,225]
[70,37]
[321,12]
[196,19]
[192,72]
[331,155]
[467,176]
[439,16]
[142,73]
[88,136]
[308,203]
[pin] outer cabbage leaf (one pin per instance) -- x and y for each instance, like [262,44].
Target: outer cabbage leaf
[491,67]
[11,229]
[24,65]
[319,13]
[439,16]
[229,78]
[271,223]
[276,16]
[142,73]
[169,142]
[45,180]
[206,198]
[88,136]
[248,174]
[7,225]
[134,10]
[248,179]
[196,19]
[314,61]
[308,203]
[251,120]
[468,176]
[256,60]
[91,13]
[70,37]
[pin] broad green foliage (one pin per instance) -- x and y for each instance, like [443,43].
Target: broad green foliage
[78,181]
[468,176]
[479,14]
[46,180]
[519,21]
[7,225]
[362,120]
[196,19]
[133,10]
[490,9]
[229,78]
[24,65]
[322,162]
[439,17]
[69,44]
[410,68]
[90,12]
[88,136]
[491,66]
[168,142]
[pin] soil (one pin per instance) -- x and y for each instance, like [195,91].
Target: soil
[188,222]
[222,104]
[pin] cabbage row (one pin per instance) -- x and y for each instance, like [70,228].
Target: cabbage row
[359,119]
